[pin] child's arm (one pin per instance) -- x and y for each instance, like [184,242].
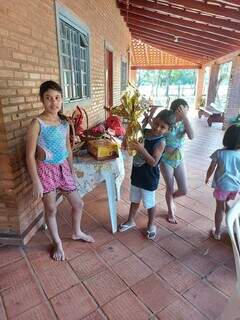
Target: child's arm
[152,160]
[182,112]
[31,145]
[210,170]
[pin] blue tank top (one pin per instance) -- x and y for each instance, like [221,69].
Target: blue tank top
[53,141]
[143,175]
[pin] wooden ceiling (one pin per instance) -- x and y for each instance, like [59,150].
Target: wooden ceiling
[144,56]
[195,30]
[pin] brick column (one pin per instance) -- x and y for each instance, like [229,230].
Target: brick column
[211,95]
[199,87]
[233,101]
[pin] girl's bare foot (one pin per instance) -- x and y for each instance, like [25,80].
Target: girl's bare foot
[171,218]
[83,236]
[58,253]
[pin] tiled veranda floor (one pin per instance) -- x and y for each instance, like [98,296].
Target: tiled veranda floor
[183,274]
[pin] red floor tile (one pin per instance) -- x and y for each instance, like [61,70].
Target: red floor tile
[133,240]
[14,273]
[224,280]
[192,235]
[155,293]
[154,257]
[206,299]
[178,276]
[88,223]
[105,286]
[96,315]
[176,246]
[40,258]
[132,270]
[186,214]
[202,264]
[180,310]
[73,304]
[9,254]
[126,306]
[3,315]
[113,252]
[161,233]
[161,218]
[74,248]
[21,297]
[219,251]
[204,224]
[56,280]
[40,312]
[87,265]
[100,236]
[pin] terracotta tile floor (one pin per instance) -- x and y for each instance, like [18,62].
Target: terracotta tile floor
[182,274]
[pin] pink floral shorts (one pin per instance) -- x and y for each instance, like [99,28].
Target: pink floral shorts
[224,195]
[56,177]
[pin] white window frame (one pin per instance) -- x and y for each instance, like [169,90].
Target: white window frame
[71,21]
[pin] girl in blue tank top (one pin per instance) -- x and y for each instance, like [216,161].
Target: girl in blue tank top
[172,167]
[49,162]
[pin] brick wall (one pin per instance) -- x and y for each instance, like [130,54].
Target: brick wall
[233,99]
[29,56]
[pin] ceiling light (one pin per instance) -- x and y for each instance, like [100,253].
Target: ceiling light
[176,39]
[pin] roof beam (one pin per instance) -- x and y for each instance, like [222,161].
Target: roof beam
[163,67]
[232,2]
[183,55]
[184,32]
[207,8]
[192,39]
[176,22]
[185,14]
[180,46]
[193,57]
[162,40]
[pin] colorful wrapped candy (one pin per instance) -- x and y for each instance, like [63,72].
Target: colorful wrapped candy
[132,110]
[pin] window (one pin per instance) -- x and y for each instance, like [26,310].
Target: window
[124,77]
[74,54]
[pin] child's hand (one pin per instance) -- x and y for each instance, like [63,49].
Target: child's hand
[135,145]
[182,112]
[37,189]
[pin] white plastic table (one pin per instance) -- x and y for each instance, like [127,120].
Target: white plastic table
[91,172]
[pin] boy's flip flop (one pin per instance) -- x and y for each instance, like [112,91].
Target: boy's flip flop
[152,232]
[126,226]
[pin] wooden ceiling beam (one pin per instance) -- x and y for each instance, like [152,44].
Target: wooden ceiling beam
[192,39]
[177,52]
[165,67]
[191,34]
[207,8]
[182,55]
[184,14]
[160,41]
[206,30]
[232,2]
